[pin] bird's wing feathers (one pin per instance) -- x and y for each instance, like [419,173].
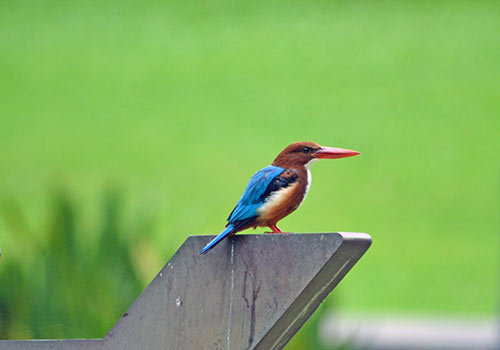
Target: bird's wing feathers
[259,188]
[286,178]
[251,200]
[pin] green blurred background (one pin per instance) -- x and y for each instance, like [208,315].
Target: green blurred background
[125,127]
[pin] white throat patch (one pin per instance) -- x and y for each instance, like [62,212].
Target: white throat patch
[311,162]
[309,176]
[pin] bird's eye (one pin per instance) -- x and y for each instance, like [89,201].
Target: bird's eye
[307,150]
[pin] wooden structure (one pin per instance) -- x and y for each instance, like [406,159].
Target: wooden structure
[250,292]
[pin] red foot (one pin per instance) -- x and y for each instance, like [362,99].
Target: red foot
[275,229]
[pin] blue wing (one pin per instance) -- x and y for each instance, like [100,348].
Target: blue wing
[245,211]
[252,198]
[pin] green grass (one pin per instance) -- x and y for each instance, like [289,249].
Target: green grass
[178,104]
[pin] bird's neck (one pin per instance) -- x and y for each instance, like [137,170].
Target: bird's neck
[287,164]
[303,171]
[309,176]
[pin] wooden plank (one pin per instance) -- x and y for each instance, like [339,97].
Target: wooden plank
[74,344]
[250,292]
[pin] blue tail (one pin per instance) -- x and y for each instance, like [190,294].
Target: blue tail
[217,239]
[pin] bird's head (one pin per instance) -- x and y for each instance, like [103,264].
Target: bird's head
[305,153]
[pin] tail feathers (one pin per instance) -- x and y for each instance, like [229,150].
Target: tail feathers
[217,239]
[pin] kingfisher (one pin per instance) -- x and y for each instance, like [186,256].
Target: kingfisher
[278,189]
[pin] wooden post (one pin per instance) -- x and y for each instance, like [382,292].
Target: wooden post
[251,292]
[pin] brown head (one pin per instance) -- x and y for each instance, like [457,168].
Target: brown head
[301,153]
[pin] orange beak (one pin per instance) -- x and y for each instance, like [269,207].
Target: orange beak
[333,153]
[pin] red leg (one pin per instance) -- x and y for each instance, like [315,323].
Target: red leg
[275,228]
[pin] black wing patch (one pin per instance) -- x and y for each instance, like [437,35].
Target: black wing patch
[239,225]
[285,179]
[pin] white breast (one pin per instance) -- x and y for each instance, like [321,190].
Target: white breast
[276,199]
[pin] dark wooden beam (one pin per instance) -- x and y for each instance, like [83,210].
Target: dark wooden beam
[249,292]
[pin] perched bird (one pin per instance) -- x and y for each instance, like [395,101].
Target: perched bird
[277,190]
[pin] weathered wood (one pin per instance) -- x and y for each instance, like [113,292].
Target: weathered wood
[73,344]
[250,292]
